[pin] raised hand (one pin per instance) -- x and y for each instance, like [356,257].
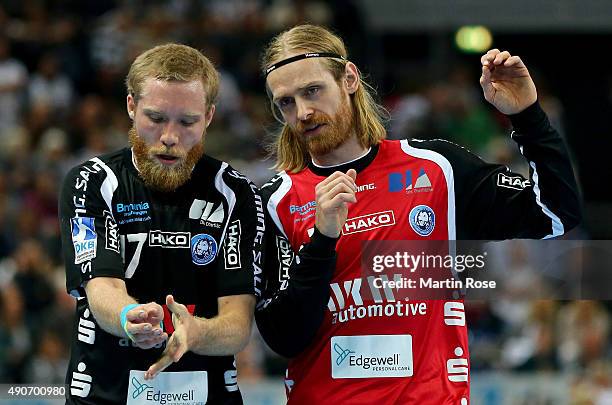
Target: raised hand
[506,82]
[332,197]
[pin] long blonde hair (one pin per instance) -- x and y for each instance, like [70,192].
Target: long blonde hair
[369,116]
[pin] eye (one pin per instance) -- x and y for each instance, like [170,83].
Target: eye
[187,123]
[155,118]
[284,103]
[311,91]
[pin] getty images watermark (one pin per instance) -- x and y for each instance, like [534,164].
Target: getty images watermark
[515,269]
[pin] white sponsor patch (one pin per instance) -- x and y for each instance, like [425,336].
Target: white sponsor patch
[207,213]
[112,232]
[231,247]
[84,239]
[169,388]
[174,240]
[515,183]
[368,222]
[371,356]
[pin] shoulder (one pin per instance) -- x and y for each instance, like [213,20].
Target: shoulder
[277,187]
[97,169]
[454,153]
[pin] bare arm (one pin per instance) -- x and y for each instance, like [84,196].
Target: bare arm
[226,334]
[107,296]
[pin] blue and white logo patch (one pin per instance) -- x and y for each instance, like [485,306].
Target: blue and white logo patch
[203,249]
[422,220]
[84,239]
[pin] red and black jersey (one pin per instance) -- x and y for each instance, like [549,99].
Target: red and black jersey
[200,242]
[350,342]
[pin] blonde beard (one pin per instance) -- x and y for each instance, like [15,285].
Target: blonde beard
[339,130]
[158,176]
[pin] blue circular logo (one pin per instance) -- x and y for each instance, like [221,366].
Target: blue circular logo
[203,249]
[422,220]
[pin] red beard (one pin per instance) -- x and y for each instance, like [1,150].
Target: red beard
[335,132]
[157,175]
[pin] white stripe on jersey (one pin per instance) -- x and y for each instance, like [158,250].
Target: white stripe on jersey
[557,226]
[276,197]
[229,195]
[448,174]
[109,185]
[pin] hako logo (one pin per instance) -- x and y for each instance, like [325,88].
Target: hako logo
[231,246]
[368,222]
[514,182]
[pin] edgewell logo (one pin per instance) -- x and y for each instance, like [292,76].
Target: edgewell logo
[343,354]
[368,222]
[371,356]
[138,388]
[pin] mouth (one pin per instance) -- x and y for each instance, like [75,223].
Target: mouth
[313,129]
[167,160]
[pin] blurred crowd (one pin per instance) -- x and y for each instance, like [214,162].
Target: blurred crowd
[62,101]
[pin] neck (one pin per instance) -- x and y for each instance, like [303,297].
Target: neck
[349,150]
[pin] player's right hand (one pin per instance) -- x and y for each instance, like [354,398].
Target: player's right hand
[144,324]
[332,196]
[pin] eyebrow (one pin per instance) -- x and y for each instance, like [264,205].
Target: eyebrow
[192,116]
[301,88]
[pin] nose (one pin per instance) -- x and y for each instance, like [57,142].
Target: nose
[169,136]
[304,110]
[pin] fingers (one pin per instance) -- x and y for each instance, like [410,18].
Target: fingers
[175,307]
[137,314]
[151,313]
[173,353]
[154,312]
[495,57]
[352,173]
[160,365]
[153,342]
[334,179]
[143,331]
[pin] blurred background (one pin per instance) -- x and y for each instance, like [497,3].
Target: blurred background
[62,101]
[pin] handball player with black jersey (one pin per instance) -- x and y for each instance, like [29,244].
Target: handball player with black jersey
[162,248]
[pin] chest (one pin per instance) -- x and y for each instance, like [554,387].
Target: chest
[403,200]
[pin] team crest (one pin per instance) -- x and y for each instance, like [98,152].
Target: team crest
[422,220]
[203,249]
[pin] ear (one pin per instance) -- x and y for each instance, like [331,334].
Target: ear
[351,77]
[131,106]
[209,115]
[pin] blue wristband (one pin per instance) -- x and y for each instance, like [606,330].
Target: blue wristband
[124,321]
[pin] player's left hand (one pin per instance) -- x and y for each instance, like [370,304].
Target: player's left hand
[506,82]
[179,342]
